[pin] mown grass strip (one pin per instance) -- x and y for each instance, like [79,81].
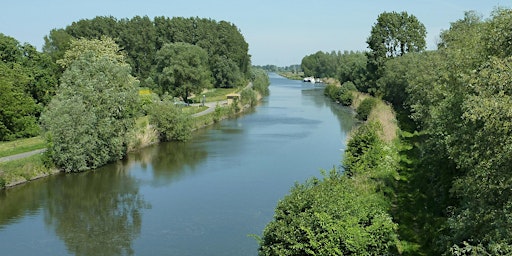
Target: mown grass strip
[9,148]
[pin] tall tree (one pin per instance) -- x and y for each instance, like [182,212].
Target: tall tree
[87,121]
[393,35]
[182,69]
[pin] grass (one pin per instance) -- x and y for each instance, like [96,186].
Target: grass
[292,75]
[383,113]
[22,170]
[10,148]
[215,94]
[386,116]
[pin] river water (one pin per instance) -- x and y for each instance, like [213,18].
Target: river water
[202,197]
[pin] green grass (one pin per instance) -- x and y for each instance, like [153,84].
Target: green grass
[292,75]
[215,94]
[21,170]
[10,148]
[194,109]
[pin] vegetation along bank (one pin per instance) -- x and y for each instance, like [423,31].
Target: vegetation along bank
[441,185]
[89,98]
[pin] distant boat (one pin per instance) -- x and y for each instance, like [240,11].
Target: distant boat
[309,79]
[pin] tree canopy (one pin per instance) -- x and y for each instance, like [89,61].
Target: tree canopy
[182,69]
[87,121]
[141,38]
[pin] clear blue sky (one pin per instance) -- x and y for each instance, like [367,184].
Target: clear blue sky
[279,32]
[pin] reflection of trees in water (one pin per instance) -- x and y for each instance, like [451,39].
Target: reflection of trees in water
[170,160]
[96,215]
[344,114]
[21,200]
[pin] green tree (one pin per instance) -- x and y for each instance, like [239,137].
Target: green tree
[105,47]
[170,121]
[226,73]
[19,110]
[182,69]
[394,34]
[87,121]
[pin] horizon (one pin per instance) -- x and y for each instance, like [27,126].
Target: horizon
[278,33]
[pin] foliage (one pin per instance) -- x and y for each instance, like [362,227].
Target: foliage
[364,109]
[170,121]
[358,155]
[27,81]
[18,112]
[100,48]
[260,81]
[248,97]
[342,94]
[459,176]
[87,121]
[346,66]
[333,216]
[182,70]
[141,38]
[394,34]
[20,170]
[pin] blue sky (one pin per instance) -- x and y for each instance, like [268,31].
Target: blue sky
[279,32]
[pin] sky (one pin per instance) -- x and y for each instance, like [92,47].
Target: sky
[279,32]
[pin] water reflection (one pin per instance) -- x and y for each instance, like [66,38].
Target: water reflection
[96,215]
[168,161]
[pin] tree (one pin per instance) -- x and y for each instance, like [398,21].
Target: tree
[394,34]
[182,69]
[170,121]
[19,110]
[226,73]
[105,47]
[87,121]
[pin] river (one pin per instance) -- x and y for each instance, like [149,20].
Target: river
[202,197]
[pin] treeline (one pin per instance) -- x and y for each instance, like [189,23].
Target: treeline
[103,86]
[28,80]
[273,68]
[445,183]
[142,39]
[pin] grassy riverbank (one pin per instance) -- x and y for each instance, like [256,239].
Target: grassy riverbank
[15,172]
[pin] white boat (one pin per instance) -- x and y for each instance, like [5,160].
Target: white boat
[309,79]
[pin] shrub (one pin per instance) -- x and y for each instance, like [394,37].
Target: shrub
[364,109]
[170,121]
[332,216]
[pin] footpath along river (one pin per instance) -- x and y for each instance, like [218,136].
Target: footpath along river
[202,197]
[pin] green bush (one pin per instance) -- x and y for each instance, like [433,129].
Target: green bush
[364,109]
[248,96]
[170,121]
[342,94]
[332,216]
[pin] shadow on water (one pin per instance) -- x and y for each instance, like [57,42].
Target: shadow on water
[93,213]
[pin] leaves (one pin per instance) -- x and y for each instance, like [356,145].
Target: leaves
[87,121]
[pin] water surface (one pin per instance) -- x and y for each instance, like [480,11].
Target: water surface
[202,197]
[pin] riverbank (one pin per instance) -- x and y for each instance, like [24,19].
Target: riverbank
[364,185]
[24,169]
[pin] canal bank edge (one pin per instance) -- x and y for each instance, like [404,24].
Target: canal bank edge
[33,167]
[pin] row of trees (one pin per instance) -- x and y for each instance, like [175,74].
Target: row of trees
[83,90]
[175,56]
[224,50]
[28,80]
[452,192]
[460,97]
